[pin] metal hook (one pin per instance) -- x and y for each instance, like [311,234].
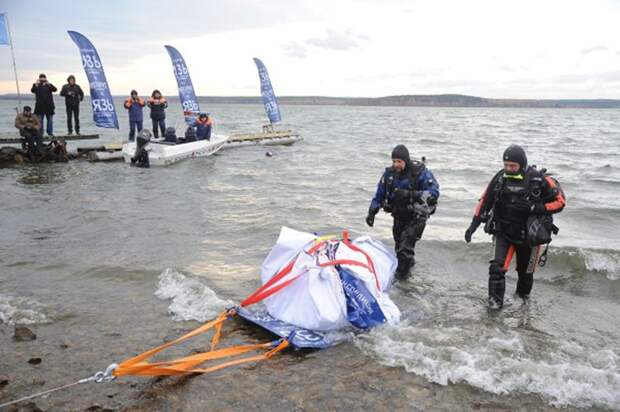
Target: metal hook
[106,375]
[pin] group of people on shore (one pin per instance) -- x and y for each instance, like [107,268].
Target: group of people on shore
[516,207]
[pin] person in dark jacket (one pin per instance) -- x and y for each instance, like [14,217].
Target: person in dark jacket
[134,105]
[44,106]
[203,125]
[28,126]
[158,104]
[515,193]
[409,191]
[73,95]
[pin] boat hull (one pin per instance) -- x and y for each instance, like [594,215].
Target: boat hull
[161,154]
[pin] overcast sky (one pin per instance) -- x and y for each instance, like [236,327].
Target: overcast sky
[495,48]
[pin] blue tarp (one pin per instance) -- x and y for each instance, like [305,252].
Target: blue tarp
[298,337]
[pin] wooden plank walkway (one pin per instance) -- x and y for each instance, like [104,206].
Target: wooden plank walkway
[281,134]
[16,138]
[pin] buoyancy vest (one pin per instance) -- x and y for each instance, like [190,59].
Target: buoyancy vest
[514,195]
[158,111]
[400,188]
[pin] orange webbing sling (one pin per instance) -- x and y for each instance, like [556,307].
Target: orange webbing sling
[139,366]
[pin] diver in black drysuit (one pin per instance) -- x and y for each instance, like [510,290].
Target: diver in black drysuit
[515,193]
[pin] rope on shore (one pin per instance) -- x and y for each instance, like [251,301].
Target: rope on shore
[36,395]
[97,377]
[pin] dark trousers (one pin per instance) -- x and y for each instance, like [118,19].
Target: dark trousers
[527,259]
[406,233]
[73,111]
[50,123]
[159,124]
[34,141]
[133,124]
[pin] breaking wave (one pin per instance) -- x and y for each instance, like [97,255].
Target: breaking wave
[23,311]
[191,298]
[500,362]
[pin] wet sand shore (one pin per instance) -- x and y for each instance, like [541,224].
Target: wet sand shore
[339,378]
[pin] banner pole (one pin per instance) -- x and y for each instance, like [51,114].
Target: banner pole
[19,96]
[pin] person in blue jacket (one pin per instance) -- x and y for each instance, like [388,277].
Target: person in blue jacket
[134,105]
[203,125]
[409,191]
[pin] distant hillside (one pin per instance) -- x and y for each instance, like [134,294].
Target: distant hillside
[435,100]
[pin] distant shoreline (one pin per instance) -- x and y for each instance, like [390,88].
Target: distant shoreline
[439,100]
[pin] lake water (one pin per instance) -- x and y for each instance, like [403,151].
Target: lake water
[104,260]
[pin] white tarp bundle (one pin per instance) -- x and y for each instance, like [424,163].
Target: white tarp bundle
[337,283]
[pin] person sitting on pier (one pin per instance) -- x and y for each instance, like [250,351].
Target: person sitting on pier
[203,126]
[29,129]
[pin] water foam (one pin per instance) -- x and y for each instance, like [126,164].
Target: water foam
[191,298]
[23,311]
[607,263]
[500,363]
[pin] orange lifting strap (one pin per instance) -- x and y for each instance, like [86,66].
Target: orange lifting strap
[139,366]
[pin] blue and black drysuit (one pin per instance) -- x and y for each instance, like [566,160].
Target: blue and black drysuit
[410,196]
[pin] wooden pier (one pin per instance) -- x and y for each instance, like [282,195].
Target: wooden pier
[15,138]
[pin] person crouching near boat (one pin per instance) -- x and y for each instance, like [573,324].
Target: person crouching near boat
[203,124]
[29,129]
[141,155]
[134,105]
[158,104]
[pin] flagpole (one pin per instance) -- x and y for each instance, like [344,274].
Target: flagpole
[19,96]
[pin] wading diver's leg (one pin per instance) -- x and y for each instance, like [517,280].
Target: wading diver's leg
[527,259]
[497,271]
[405,239]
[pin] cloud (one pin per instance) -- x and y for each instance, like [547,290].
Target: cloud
[594,49]
[447,83]
[569,79]
[338,41]
[294,49]
[505,69]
